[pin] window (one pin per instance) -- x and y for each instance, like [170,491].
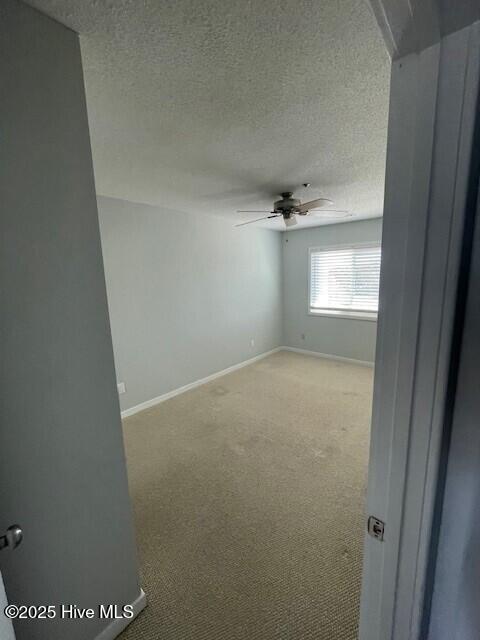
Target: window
[344,281]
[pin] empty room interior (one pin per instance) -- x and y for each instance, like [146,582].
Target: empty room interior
[239,157]
[247,453]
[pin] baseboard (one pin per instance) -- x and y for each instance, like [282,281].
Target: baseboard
[330,356]
[116,627]
[197,383]
[192,385]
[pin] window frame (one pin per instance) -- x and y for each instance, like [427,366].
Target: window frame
[370,316]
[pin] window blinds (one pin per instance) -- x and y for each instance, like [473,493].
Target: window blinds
[345,279]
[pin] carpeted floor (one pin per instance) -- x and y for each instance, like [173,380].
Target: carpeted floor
[248,495]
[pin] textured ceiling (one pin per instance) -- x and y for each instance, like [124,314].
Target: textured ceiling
[210,106]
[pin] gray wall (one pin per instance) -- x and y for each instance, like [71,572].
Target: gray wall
[455,611]
[336,336]
[62,468]
[6,627]
[187,293]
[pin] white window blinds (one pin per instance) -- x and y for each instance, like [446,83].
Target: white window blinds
[345,279]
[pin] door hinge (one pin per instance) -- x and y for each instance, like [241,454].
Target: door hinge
[376,528]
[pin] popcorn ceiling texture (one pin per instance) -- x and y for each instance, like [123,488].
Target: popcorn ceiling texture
[218,105]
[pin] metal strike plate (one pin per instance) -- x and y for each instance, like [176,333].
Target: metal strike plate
[376,528]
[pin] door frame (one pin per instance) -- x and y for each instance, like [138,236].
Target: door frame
[433,110]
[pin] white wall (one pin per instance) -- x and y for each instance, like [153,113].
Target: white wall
[337,336]
[187,293]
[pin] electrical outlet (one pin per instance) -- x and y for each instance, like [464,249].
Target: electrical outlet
[252,342]
[121,388]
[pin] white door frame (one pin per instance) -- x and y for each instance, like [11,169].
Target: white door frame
[434,90]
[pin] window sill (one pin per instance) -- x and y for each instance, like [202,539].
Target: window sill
[351,315]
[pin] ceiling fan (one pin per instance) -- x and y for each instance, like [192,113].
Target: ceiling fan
[288,207]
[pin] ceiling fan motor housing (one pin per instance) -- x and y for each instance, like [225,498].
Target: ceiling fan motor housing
[287,205]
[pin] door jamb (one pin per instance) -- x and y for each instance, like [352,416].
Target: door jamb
[432,117]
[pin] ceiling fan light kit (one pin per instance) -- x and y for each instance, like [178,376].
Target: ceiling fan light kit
[288,207]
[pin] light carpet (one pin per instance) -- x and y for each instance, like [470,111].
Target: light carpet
[248,495]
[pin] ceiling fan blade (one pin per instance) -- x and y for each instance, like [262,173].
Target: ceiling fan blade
[330,213]
[314,204]
[242,224]
[255,211]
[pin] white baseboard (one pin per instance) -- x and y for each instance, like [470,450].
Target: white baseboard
[116,627]
[329,356]
[192,385]
[197,383]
